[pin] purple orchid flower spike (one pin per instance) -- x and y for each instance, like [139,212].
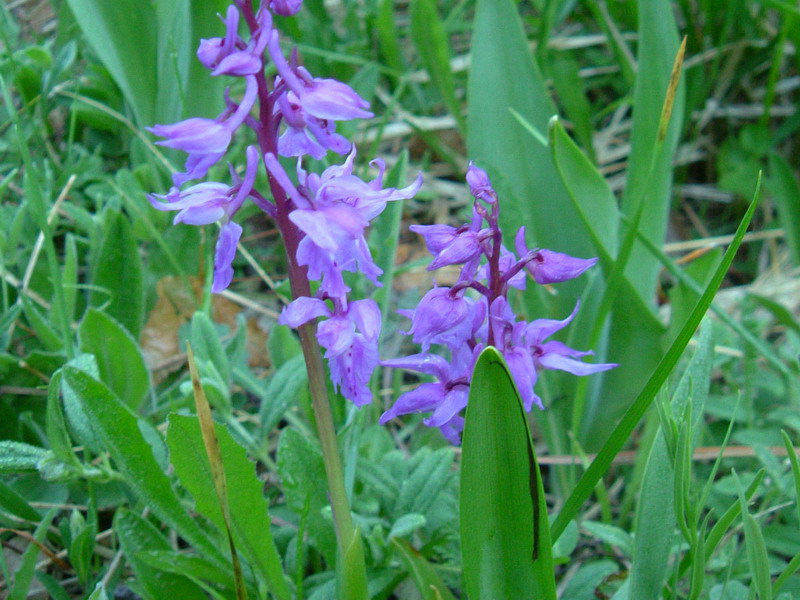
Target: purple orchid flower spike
[450,317]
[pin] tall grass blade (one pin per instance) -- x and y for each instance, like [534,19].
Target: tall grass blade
[621,433]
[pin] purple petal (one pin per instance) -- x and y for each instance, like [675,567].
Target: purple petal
[432,364]
[479,184]
[303,309]
[570,365]
[367,317]
[202,214]
[540,329]
[437,237]
[352,370]
[454,401]
[223,257]
[196,167]
[520,363]
[422,399]
[464,247]
[203,136]
[331,99]
[452,430]
[553,267]
[295,141]
[285,8]
[335,335]
[239,64]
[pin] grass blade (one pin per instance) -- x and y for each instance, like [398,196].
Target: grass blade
[633,415]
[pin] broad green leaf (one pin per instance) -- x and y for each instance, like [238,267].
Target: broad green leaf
[123,34]
[79,423]
[649,176]
[117,274]
[611,535]
[429,584]
[122,367]
[250,522]
[407,524]
[136,534]
[281,391]
[118,428]
[56,427]
[282,345]
[430,39]
[48,336]
[425,481]
[217,470]
[584,584]
[15,504]
[194,567]
[588,189]
[505,533]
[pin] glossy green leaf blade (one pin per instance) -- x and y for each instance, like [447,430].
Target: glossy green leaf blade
[503,78]
[119,359]
[123,34]
[248,508]
[505,539]
[649,176]
[621,433]
[588,189]
[429,584]
[118,428]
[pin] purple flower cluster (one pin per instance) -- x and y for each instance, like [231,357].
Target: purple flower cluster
[322,217]
[475,312]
